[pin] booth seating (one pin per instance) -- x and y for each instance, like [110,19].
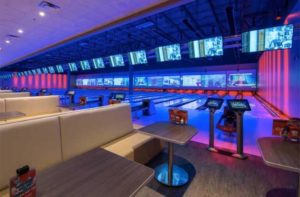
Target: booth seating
[38,106]
[43,142]
[5,91]
[14,94]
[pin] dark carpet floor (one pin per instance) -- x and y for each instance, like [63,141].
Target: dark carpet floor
[216,175]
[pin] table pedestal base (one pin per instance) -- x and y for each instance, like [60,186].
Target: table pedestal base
[179,178]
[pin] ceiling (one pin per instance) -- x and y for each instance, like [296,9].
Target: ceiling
[70,19]
[194,20]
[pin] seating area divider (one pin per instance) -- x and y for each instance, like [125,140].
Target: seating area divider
[43,142]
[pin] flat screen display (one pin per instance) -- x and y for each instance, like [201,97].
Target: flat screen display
[79,82]
[51,69]
[98,63]
[91,82]
[191,80]
[137,57]
[206,47]
[99,82]
[238,104]
[85,82]
[140,81]
[241,80]
[34,72]
[59,69]
[116,60]
[268,39]
[108,81]
[168,53]
[85,65]
[73,67]
[121,81]
[155,81]
[171,81]
[45,70]
[214,103]
[38,71]
[213,81]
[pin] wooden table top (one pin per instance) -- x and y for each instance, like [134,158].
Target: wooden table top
[95,173]
[277,152]
[170,132]
[10,115]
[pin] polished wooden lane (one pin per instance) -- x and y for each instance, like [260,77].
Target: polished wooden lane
[95,173]
[11,115]
[177,134]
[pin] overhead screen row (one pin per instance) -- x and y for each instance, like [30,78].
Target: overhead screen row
[257,40]
[230,80]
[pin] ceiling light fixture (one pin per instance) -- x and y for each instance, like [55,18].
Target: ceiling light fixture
[7,41]
[42,14]
[20,31]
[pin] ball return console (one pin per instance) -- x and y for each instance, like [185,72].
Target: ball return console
[239,106]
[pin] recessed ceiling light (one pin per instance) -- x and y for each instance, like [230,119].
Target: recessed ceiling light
[7,41]
[20,31]
[42,14]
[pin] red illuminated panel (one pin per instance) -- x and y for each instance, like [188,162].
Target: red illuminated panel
[36,81]
[23,81]
[15,81]
[49,81]
[59,81]
[65,81]
[30,81]
[54,80]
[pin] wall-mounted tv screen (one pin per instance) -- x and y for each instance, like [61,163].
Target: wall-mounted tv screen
[85,65]
[191,80]
[85,82]
[108,81]
[206,47]
[38,71]
[116,60]
[121,81]
[34,72]
[140,81]
[213,81]
[99,81]
[51,69]
[171,81]
[91,82]
[137,57]
[59,69]
[155,81]
[268,39]
[79,82]
[168,53]
[242,80]
[73,67]
[98,63]
[45,70]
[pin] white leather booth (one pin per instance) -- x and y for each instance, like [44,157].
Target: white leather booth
[14,94]
[43,142]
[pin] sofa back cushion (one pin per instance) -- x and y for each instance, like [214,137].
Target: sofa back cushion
[4,91]
[35,143]
[32,106]
[84,130]
[14,94]
[2,105]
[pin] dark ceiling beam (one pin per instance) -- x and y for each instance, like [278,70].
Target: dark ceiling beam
[198,30]
[219,24]
[177,27]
